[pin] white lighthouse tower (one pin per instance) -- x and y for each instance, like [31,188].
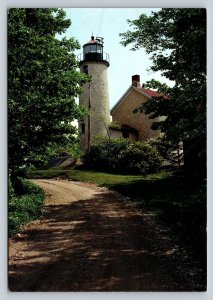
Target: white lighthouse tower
[95,98]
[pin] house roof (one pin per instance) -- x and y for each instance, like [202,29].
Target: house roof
[146,92]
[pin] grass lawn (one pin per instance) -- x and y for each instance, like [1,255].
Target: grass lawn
[177,202]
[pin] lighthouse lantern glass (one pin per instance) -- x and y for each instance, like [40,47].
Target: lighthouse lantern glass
[99,48]
[87,49]
[93,48]
[93,51]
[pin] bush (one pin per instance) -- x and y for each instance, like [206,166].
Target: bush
[122,156]
[29,203]
[72,150]
[104,153]
[163,146]
[139,158]
[171,152]
[25,187]
[15,220]
[25,204]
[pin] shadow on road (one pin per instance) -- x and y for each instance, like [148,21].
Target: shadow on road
[98,244]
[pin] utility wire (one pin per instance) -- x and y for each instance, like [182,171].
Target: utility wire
[100,21]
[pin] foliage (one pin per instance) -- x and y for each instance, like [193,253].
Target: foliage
[25,204]
[25,187]
[43,83]
[104,153]
[176,40]
[171,152]
[115,126]
[122,156]
[73,150]
[11,192]
[139,158]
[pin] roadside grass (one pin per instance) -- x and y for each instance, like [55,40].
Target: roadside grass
[25,204]
[177,202]
[100,178]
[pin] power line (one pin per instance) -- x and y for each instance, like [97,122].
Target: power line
[100,21]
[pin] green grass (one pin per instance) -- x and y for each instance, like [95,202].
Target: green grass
[177,202]
[100,178]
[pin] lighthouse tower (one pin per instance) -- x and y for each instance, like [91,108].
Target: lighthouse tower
[94,62]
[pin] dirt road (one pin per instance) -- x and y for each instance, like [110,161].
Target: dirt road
[91,239]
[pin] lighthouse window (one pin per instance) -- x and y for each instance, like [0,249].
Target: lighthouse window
[98,49]
[93,48]
[85,69]
[87,49]
[82,128]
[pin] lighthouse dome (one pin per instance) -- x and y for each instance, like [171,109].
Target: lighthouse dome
[93,50]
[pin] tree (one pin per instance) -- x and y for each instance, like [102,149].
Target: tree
[43,83]
[176,40]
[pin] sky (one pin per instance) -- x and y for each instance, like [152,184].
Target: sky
[108,23]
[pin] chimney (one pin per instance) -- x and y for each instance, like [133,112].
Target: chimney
[136,80]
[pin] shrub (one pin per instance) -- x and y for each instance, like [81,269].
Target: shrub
[24,187]
[122,156]
[163,146]
[104,153]
[72,150]
[169,151]
[29,203]
[139,158]
[15,220]
[25,204]
[115,126]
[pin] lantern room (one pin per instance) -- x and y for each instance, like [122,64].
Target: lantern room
[93,51]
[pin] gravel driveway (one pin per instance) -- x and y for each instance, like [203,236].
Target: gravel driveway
[92,239]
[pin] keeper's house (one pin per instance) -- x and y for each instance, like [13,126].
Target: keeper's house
[135,126]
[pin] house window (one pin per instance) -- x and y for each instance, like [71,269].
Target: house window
[82,128]
[125,134]
[85,69]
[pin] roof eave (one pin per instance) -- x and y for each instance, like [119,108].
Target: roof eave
[124,96]
[141,92]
